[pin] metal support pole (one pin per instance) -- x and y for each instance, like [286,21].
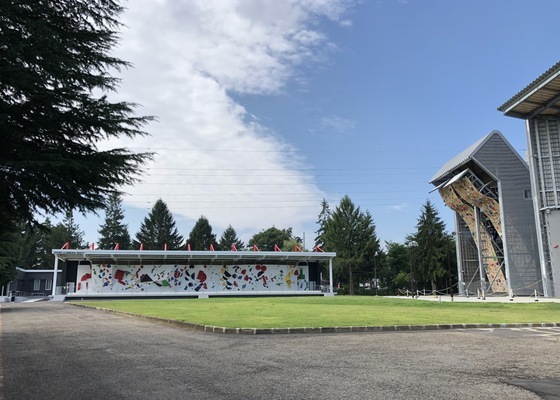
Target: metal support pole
[331,290]
[537,187]
[479,245]
[375,271]
[55,275]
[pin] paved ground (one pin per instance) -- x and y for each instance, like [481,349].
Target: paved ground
[52,350]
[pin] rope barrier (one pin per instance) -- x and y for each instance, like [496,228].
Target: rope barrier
[480,293]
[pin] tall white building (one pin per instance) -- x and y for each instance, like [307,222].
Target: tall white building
[539,105]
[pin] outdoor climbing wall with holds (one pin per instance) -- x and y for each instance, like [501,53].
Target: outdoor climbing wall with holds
[487,205]
[107,278]
[456,204]
[493,268]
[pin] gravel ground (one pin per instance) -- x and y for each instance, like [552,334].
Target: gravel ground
[52,350]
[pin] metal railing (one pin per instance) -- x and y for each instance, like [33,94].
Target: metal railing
[19,295]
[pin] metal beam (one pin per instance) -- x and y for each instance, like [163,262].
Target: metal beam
[544,106]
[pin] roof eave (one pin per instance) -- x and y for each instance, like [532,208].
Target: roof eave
[191,256]
[528,91]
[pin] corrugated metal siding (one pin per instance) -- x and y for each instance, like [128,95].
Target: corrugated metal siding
[546,143]
[544,139]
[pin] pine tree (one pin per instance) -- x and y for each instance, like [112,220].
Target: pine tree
[29,246]
[55,237]
[351,233]
[55,64]
[74,236]
[201,236]
[158,229]
[113,230]
[430,253]
[229,238]
[50,237]
[323,217]
[35,245]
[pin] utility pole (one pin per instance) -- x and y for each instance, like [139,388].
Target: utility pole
[412,245]
[375,271]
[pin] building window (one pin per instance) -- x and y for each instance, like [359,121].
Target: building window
[36,284]
[48,284]
[527,194]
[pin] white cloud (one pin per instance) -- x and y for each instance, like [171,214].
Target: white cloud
[335,125]
[213,157]
[402,207]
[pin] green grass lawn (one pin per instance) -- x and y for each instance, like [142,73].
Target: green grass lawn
[295,312]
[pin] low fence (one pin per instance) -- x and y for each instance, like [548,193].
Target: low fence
[19,296]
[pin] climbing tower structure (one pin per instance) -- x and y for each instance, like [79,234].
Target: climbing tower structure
[488,187]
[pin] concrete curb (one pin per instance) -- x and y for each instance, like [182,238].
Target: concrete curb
[315,330]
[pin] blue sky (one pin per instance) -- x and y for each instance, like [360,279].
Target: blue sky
[265,107]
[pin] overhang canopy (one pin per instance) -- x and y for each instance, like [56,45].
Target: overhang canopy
[539,98]
[449,170]
[124,257]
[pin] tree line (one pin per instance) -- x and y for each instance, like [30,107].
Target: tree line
[425,261]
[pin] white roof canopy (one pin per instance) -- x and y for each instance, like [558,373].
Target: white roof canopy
[190,257]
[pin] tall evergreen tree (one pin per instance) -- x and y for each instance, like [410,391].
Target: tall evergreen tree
[28,246]
[50,237]
[229,238]
[55,64]
[55,237]
[201,236]
[322,219]
[113,230]
[432,243]
[71,232]
[158,229]
[35,245]
[351,233]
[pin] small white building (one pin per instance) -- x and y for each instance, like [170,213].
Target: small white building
[174,273]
